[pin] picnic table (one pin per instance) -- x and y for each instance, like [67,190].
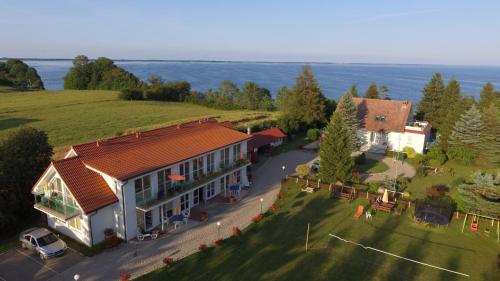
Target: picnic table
[177,219]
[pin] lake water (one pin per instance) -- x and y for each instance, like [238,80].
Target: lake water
[404,81]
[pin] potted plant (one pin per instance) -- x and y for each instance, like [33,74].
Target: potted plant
[108,233]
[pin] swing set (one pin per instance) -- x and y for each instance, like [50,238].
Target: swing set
[474,226]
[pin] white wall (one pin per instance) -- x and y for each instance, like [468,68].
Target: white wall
[82,236]
[107,217]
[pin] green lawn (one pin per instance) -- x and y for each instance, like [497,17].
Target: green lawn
[372,166]
[274,248]
[294,142]
[71,117]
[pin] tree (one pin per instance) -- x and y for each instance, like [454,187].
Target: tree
[15,73]
[480,193]
[353,90]
[155,80]
[349,114]
[466,136]
[288,123]
[452,106]
[372,92]
[306,103]
[488,96]
[430,104]
[282,98]
[24,155]
[335,152]
[254,97]
[384,90]
[490,141]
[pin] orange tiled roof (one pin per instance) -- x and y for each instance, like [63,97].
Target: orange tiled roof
[88,188]
[135,154]
[265,137]
[395,114]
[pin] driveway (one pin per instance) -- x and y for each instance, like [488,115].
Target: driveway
[138,258]
[396,168]
[21,265]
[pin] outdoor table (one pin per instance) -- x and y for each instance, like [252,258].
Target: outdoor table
[177,219]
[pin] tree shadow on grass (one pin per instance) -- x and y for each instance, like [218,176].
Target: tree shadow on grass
[10,123]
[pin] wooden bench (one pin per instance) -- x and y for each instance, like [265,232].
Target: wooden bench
[383,207]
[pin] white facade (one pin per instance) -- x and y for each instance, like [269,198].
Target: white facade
[415,136]
[144,209]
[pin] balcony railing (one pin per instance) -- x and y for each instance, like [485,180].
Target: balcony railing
[56,207]
[186,186]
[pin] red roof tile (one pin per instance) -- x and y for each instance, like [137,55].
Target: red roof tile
[88,188]
[265,137]
[383,115]
[131,155]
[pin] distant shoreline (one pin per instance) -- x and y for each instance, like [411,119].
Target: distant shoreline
[256,62]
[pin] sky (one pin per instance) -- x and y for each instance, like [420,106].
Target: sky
[382,31]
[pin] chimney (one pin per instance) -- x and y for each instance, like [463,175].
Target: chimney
[97,142]
[137,134]
[249,131]
[178,126]
[199,121]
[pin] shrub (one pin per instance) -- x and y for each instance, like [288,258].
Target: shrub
[257,218]
[218,242]
[202,247]
[108,231]
[437,191]
[168,261]
[406,195]
[302,170]
[421,171]
[236,231]
[356,177]
[169,91]
[437,154]
[131,94]
[373,187]
[410,152]
[361,159]
[125,276]
[274,206]
[288,124]
[312,134]
[462,154]
[279,196]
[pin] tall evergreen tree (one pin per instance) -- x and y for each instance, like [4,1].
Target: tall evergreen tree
[490,141]
[430,104]
[372,92]
[353,91]
[467,130]
[449,107]
[335,152]
[282,98]
[306,102]
[488,96]
[480,193]
[348,111]
[384,90]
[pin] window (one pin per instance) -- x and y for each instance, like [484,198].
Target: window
[198,196]
[198,168]
[224,157]
[211,163]
[236,151]
[210,189]
[222,183]
[140,219]
[238,176]
[184,170]
[142,188]
[164,181]
[149,219]
[75,223]
[185,202]
[167,210]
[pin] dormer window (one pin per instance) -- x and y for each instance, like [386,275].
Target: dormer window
[380,118]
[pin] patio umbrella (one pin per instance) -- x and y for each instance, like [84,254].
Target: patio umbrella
[385,197]
[177,177]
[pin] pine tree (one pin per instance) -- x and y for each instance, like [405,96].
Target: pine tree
[490,141]
[480,193]
[449,107]
[335,152]
[372,92]
[430,104]
[384,90]
[488,96]
[353,91]
[306,101]
[348,112]
[468,129]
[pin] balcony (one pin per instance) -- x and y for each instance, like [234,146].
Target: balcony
[162,197]
[56,207]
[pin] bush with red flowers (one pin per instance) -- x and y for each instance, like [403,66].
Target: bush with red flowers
[274,207]
[218,242]
[236,231]
[202,247]
[125,276]
[258,218]
[168,261]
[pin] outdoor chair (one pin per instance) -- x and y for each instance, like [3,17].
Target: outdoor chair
[186,213]
[151,234]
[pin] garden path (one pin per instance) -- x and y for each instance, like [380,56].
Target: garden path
[396,168]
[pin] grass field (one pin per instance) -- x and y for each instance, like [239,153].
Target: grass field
[71,117]
[274,249]
[372,166]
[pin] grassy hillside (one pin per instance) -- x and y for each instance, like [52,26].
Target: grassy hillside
[71,117]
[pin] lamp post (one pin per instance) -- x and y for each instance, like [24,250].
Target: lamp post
[261,201]
[76,277]
[218,230]
[284,172]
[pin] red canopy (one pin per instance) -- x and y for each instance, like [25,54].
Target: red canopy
[177,177]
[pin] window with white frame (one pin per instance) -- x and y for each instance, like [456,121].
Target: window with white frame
[184,170]
[211,189]
[164,181]
[224,157]
[197,168]
[210,163]
[185,202]
[168,210]
[237,151]
[142,188]
[75,222]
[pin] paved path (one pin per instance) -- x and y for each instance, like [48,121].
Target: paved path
[395,168]
[138,258]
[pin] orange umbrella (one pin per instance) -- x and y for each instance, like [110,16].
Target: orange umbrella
[177,177]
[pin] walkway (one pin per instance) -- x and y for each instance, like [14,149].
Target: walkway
[139,258]
[398,168]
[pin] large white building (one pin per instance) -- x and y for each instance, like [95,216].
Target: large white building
[126,183]
[389,124]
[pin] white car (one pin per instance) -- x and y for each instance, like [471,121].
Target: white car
[45,243]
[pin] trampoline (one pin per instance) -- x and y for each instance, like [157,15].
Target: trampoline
[433,212]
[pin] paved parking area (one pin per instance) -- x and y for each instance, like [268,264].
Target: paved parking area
[21,265]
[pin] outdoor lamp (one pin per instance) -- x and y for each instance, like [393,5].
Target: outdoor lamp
[76,277]
[261,200]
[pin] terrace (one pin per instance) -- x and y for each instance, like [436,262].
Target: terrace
[55,206]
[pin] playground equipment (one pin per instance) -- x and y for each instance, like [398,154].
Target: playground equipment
[474,226]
